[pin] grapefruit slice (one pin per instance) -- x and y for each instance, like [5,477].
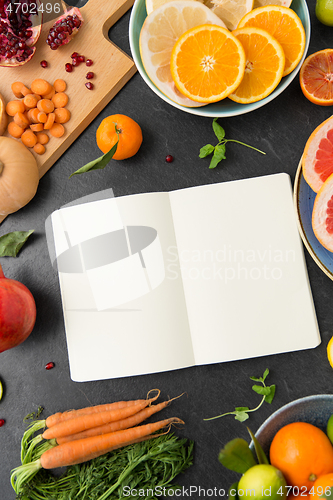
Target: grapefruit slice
[230,11]
[159,33]
[317,160]
[322,215]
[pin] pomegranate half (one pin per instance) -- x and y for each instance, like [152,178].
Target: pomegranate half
[20,27]
[65,28]
[17,312]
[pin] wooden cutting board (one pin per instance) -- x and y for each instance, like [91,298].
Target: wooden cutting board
[111,66]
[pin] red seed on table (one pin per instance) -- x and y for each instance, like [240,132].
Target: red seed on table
[89,62]
[169,158]
[81,59]
[49,366]
[75,61]
[68,67]
[89,85]
[75,54]
[90,75]
[44,64]
[2,421]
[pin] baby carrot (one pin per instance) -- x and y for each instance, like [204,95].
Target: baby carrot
[83,450]
[83,422]
[125,423]
[67,415]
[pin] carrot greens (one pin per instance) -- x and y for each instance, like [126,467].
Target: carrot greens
[148,466]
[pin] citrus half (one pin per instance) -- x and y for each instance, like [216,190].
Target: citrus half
[207,63]
[322,214]
[317,159]
[159,33]
[154,4]
[284,25]
[264,65]
[316,77]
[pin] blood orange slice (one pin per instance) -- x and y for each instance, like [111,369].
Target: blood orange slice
[316,77]
[317,161]
[322,215]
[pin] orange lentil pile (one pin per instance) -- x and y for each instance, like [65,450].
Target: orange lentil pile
[37,111]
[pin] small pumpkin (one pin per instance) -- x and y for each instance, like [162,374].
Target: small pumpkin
[19,175]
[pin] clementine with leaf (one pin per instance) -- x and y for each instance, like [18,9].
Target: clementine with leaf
[122,128]
[302,452]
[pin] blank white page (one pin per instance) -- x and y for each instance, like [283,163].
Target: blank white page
[243,269]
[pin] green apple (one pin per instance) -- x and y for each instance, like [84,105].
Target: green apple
[324,11]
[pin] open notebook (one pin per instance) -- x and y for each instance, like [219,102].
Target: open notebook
[160,281]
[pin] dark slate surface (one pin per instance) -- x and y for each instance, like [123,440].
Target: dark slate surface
[280,128]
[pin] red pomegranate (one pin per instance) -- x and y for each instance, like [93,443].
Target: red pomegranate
[20,27]
[65,28]
[17,312]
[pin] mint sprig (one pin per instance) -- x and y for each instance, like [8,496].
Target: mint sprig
[242,412]
[218,151]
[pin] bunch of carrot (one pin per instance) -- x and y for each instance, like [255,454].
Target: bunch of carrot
[77,436]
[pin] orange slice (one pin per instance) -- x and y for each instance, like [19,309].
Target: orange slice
[317,159]
[264,65]
[159,33]
[322,215]
[285,25]
[207,63]
[316,77]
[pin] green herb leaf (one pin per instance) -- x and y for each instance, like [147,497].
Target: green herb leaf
[233,492]
[218,130]
[261,456]
[241,416]
[97,164]
[219,154]
[11,243]
[256,379]
[206,150]
[266,372]
[264,391]
[269,397]
[237,456]
[242,408]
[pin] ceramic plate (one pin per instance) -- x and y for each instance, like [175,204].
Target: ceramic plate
[314,410]
[226,107]
[304,199]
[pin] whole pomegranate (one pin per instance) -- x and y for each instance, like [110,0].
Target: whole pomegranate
[20,27]
[17,312]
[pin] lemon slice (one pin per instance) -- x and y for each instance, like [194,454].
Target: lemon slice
[330,352]
[154,4]
[159,33]
[230,11]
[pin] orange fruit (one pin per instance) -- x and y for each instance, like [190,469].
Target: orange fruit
[322,487]
[317,159]
[302,452]
[322,214]
[264,65]
[129,132]
[207,63]
[316,77]
[284,25]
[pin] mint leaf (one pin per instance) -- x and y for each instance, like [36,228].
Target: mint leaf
[269,397]
[237,456]
[218,130]
[206,150]
[99,163]
[11,243]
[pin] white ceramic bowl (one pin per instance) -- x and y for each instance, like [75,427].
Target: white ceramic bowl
[226,107]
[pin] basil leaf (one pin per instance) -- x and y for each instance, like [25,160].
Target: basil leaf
[237,456]
[218,130]
[11,243]
[206,150]
[269,397]
[99,163]
[261,456]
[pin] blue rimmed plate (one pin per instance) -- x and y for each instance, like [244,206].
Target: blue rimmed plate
[304,199]
[226,107]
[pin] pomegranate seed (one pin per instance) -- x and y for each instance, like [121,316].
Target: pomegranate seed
[75,54]
[89,62]
[68,67]
[44,64]
[49,366]
[89,85]
[75,61]
[2,421]
[169,159]
[81,59]
[90,75]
